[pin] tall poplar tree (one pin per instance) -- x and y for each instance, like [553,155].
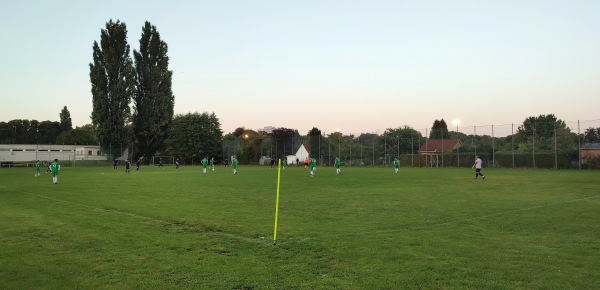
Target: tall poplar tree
[113,84]
[439,130]
[153,100]
[65,120]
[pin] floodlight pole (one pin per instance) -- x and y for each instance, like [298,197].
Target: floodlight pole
[339,144]
[384,148]
[579,141]
[350,151]
[37,130]
[512,146]
[458,147]
[555,149]
[361,149]
[373,160]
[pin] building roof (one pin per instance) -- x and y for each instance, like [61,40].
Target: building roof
[300,153]
[590,146]
[438,145]
[307,147]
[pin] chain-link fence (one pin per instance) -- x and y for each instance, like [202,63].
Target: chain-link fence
[552,145]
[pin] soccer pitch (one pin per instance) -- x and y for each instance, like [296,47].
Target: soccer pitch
[368,228]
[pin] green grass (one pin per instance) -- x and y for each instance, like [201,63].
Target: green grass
[365,229]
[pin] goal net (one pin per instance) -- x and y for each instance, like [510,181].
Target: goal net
[166,160]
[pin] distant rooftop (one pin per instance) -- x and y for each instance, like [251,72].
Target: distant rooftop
[590,146]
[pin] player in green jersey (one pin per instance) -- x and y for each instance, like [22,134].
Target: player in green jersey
[37,169]
[212,163]
[396,164]
[284,162]
[312,166]
[337,165]
[234,164]
[204,164]
[55,167]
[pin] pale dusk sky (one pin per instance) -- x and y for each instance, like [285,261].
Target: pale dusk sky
[360,66]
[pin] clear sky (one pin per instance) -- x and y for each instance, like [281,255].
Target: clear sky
[360,66]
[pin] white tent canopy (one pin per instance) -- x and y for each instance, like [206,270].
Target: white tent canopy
[301,154]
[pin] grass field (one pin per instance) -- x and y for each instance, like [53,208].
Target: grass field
[367,228]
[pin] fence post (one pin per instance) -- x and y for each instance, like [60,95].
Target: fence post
[412,152]
[373,160]
[533,142]
[512,134]
[579,141]
[442,133]
[493,149]
[384,147]
[555,149]
[474,144]
[351,139]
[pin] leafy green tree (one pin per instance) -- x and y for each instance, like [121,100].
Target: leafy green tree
[10,132]
[439,130]
[47,132]
[255,139]
[267,147]
[591,135]
[80,135]
[23,131]
[314,143]
[153,100]
[405,137]
[297,141]
[194,136]
[282,138]
[230,145]
[370,146]
[249,146]
[65,120]
[239,132]
[113,84]
[6,133]
[539,132]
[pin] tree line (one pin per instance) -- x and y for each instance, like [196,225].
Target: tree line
[23,131]
[544,134]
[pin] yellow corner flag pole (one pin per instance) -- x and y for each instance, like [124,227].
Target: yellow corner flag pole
[277,201]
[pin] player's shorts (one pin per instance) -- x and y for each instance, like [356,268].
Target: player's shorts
[54,173]
[478,170]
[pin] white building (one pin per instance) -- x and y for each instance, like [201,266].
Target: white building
[268,129]
[18,153]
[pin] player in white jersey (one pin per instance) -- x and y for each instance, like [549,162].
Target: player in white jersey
[477,166]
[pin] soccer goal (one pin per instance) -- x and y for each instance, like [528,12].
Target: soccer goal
[166,160]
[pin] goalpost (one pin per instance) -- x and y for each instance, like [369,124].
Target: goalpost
[166,160]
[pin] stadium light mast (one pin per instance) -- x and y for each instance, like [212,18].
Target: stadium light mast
[456,122]
[339,142]
[37,143]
